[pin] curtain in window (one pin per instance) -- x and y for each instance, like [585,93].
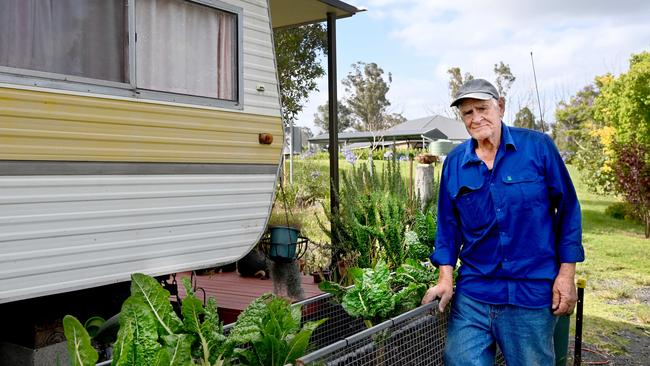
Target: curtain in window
[73,37]
[185,48]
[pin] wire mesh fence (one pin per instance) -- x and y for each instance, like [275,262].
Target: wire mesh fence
[409,339]
[414,338]
[338,326]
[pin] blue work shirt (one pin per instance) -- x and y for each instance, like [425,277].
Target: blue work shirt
[511,226]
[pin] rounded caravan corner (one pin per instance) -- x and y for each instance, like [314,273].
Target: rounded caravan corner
[103,174]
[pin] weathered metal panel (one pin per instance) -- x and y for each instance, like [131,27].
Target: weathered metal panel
[259,59]
[40,125]
[61,233]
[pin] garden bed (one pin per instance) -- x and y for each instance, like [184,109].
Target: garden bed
[416,338]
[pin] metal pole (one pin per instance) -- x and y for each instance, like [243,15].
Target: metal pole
[539,104]
[291,152]
[577,358]
[333,124]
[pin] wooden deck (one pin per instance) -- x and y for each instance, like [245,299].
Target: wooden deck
[234,292]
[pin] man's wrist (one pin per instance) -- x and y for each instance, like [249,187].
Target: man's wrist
[446,274]
[567,270]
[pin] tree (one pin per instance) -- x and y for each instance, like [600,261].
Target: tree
[632,171]
[594,158]
[322,119]
[572,120]
[297,56]
[367,100]
[624,101]
[505,79]
[624,107]
[456,80]
[525,119]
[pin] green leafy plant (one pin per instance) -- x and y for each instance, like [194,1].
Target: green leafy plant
[80,349]
[378,294]
[271,326]
[376,213]
[151,333]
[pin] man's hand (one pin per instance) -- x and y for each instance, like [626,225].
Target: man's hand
[564,290]
[443,290]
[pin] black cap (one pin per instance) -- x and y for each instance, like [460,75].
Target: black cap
[475,89]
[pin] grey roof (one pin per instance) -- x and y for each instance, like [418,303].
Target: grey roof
[453,129]
[434,127]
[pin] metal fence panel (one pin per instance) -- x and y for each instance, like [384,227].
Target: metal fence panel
[414,338]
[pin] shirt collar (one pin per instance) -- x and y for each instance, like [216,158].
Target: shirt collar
[470,149]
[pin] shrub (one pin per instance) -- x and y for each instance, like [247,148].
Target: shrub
[622,211]
[376,213]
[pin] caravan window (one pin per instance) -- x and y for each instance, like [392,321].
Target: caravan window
[72,37]
[186,48]
[182,51]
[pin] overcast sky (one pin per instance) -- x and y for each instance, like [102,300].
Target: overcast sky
[419,40]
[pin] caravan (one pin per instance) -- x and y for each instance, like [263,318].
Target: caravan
[136,136]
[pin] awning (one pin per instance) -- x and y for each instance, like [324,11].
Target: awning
[287,13]
[387,135]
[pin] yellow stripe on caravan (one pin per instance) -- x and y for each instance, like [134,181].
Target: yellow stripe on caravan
[39,125]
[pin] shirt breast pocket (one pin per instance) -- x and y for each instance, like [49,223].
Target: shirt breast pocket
[474,207]
[526,191]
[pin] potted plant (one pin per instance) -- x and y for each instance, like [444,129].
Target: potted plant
[283,240]
[317,262]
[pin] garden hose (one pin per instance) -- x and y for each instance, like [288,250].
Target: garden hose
[577,358]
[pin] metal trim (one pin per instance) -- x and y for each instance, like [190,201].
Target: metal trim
[32,167]
[342,6]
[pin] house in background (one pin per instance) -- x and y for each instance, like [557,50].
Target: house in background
[415,133]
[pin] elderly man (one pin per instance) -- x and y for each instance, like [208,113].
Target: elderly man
[508,210]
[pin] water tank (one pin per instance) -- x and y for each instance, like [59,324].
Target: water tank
[440,147]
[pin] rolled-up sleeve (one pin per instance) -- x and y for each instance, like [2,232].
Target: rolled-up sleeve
[567,221]
[447,244]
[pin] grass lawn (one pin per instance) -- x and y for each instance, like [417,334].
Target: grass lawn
[617,269]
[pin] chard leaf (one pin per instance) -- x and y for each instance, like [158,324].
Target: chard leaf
[272,328]
[248,325]
[178,349]
[371,297]
[333,288]
[162,358]
[409,297]
[414,271]
[212,329]
[80,350]
[137,339]
[298,344]
[356,274]
[157,299]
[209,333]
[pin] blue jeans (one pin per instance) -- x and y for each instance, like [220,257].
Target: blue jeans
[525,336]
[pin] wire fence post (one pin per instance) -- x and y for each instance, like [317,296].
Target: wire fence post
[577,359]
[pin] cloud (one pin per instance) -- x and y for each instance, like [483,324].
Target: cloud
[572,42]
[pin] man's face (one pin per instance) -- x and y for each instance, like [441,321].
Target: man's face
[482,118]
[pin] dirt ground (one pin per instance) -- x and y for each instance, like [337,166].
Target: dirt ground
[637,352]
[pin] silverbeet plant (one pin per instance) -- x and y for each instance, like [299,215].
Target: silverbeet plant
[80,349]
[268,332]
[271,327]
[379,294]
